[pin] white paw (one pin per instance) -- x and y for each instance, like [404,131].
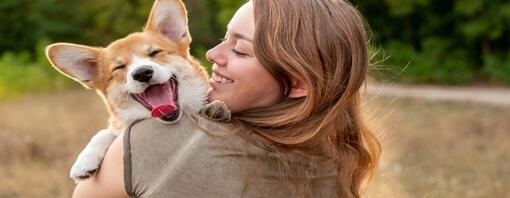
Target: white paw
[87,164]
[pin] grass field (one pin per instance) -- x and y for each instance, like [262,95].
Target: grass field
[431,149]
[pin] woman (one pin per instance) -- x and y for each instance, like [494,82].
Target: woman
[290,72]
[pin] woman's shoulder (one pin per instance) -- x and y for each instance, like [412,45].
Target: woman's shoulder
[197,131]
[196,158]
[185,159]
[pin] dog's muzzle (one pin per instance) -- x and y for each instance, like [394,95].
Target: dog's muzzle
[160,99]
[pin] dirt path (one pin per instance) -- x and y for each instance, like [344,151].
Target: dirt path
[491,96]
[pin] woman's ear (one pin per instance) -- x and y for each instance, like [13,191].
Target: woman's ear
[298,89]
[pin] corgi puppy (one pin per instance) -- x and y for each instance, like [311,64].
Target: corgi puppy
[143,75]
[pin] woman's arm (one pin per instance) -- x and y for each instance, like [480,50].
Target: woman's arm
[109,181]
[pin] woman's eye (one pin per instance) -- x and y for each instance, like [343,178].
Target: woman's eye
[155,53]
[238,53]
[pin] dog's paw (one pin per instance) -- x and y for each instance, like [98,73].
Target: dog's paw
[86,165]
[216,111]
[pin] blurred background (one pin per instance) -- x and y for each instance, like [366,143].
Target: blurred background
[432,148]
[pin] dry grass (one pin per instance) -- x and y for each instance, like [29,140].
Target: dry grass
[39,137]
[431,149]
[442,149]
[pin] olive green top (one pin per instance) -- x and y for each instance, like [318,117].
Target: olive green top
[181,160]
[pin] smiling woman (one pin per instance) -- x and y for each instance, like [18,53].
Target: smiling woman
[290,72]
[238,78]
[317,53]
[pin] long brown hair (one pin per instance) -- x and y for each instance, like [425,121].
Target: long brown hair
[323,43]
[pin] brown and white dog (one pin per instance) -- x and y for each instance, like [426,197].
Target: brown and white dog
[146,74]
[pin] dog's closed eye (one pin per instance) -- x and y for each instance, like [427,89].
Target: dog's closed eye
[154,53]
[119,67]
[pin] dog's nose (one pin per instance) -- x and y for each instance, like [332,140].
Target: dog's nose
[143,74]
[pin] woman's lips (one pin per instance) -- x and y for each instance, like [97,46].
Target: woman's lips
[218,78]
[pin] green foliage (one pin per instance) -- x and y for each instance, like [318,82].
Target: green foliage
[208,22]
[29,25]
[421,41]
[94,22]
[441,63]
[18,74]
[98,22]
[497,67]
[447,42]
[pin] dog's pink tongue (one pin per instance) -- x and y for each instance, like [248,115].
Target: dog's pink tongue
[161,99]
[162,110]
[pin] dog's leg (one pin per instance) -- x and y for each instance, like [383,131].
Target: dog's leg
[91,156]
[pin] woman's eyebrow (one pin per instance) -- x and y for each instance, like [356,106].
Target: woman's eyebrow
[241,37]
[238,35]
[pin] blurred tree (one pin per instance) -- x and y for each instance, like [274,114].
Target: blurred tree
[208,21]
[97,22]
[19,28]
[29,25]
[435,41]
[447,41]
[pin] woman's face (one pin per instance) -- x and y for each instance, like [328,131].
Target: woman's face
[238,78]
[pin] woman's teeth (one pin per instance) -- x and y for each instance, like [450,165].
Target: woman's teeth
[220,79]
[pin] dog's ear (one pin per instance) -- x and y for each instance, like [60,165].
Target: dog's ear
[169,18]
[75,61]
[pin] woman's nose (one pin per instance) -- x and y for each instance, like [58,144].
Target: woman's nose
[216,56]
